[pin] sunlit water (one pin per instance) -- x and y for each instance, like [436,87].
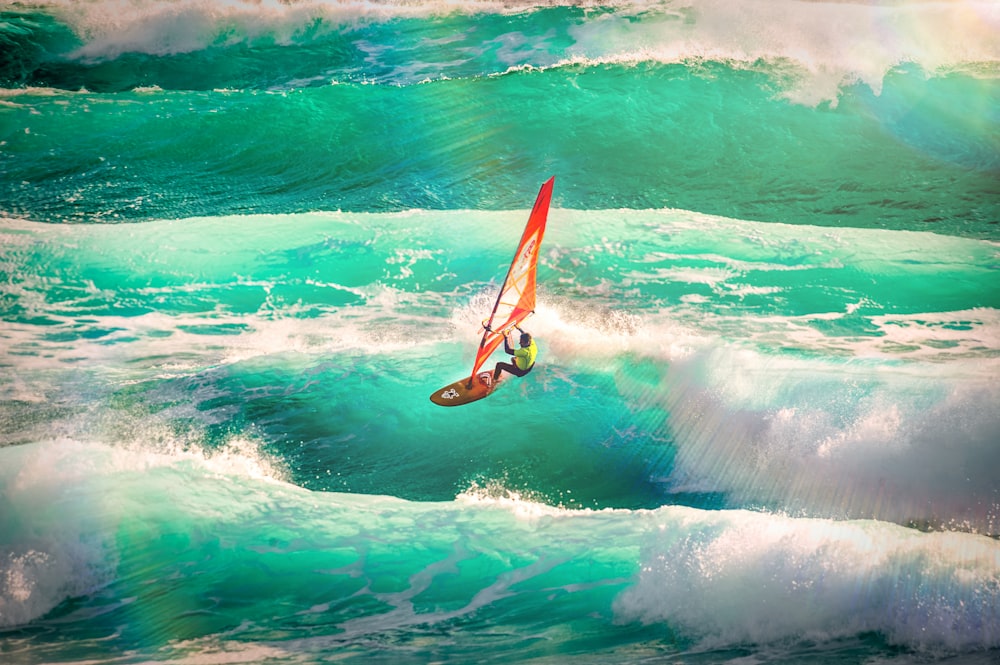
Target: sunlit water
[242,243]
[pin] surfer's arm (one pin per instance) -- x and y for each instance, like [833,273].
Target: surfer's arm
[506,344]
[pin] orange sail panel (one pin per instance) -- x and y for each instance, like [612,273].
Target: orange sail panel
[517,295]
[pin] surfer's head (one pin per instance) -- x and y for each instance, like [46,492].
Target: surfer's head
[525,339]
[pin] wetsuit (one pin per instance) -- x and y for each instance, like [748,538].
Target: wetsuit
[524,360]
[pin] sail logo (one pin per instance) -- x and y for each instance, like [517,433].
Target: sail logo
[525,257]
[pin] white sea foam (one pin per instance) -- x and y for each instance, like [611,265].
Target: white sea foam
[737,577]
[51,545]
[830,43]
[826,44]
[61,505]
[721,578]
[907,444]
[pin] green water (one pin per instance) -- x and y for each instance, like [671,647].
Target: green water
[241,244]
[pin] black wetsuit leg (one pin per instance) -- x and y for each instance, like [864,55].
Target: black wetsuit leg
[508,367]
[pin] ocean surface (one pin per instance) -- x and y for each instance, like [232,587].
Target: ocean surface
[241,243]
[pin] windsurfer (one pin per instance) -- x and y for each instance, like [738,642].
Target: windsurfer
[524,357]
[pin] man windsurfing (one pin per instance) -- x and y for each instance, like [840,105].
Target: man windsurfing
[523,358]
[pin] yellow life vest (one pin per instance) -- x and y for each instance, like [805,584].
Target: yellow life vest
[524,357]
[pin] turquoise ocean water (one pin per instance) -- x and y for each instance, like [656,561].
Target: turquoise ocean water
[242,242]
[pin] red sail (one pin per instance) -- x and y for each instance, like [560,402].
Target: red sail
[517,295]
